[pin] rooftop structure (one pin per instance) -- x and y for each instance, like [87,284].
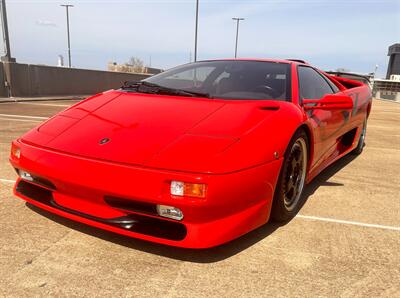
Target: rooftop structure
[394,60]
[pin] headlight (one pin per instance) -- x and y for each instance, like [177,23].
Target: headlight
[25,175]
[169,212]
[15,151]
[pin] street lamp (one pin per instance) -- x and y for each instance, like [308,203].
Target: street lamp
[6,39]
[237,33]
[376,69]
[195,30]
[67,6]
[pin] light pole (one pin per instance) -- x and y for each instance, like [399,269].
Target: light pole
[67,6]
[7,55]
[195,30]
[376,69]
[237,33]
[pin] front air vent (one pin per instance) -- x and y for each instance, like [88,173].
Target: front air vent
[270,108]
[34,192]
[152,226]
[130,205]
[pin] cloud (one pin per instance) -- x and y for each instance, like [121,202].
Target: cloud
[46,23]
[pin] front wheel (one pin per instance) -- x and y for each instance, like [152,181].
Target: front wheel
[287,199]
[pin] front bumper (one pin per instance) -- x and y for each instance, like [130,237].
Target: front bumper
[236,203]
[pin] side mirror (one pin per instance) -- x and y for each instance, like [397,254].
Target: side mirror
[329,102]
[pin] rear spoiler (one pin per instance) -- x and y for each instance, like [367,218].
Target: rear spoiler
[344,83]
[297,60]
[349,74]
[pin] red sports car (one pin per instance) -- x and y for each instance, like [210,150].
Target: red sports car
[195,156]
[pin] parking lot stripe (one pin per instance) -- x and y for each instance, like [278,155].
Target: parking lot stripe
[21,120]
[346,222]
[46,104]
[7,180]
[23,116]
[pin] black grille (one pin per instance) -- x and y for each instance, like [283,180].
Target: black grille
[129,205]
[142,224]
[34,192]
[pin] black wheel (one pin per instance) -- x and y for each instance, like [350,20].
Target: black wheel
[287,199]
[361,141]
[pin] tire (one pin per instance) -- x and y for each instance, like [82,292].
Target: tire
[361,140]
[288,193]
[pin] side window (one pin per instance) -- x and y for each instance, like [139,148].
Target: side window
[311,84]
[333,86]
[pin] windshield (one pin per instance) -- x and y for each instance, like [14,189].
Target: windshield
[229,79]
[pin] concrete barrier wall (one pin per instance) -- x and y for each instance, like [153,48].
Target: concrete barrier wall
[28,80]
[3,89]
[387,95]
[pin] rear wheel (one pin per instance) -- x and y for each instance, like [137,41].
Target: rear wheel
[287,199]
[361,141]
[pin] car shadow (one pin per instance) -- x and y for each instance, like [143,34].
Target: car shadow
[209,255]
[325,175]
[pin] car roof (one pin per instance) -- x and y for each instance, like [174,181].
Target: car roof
[287,61]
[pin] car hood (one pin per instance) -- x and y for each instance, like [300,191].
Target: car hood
[176,133]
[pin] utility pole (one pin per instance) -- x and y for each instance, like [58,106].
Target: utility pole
[237,33]
[195,30]
[7,51]
[67,6]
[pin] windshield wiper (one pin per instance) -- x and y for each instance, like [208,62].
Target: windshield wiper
[158,89]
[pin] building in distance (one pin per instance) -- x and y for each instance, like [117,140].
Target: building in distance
[132,68]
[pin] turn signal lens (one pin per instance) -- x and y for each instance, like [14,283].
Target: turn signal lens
[196,190]
[15,151]
[169,212]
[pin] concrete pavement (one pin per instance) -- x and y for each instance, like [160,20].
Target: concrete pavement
[344,243]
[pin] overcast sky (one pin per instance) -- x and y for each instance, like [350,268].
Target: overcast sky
[352,34]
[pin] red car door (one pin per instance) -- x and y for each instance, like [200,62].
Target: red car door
[327,124]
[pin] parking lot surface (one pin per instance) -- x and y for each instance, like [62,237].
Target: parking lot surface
[345,242]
